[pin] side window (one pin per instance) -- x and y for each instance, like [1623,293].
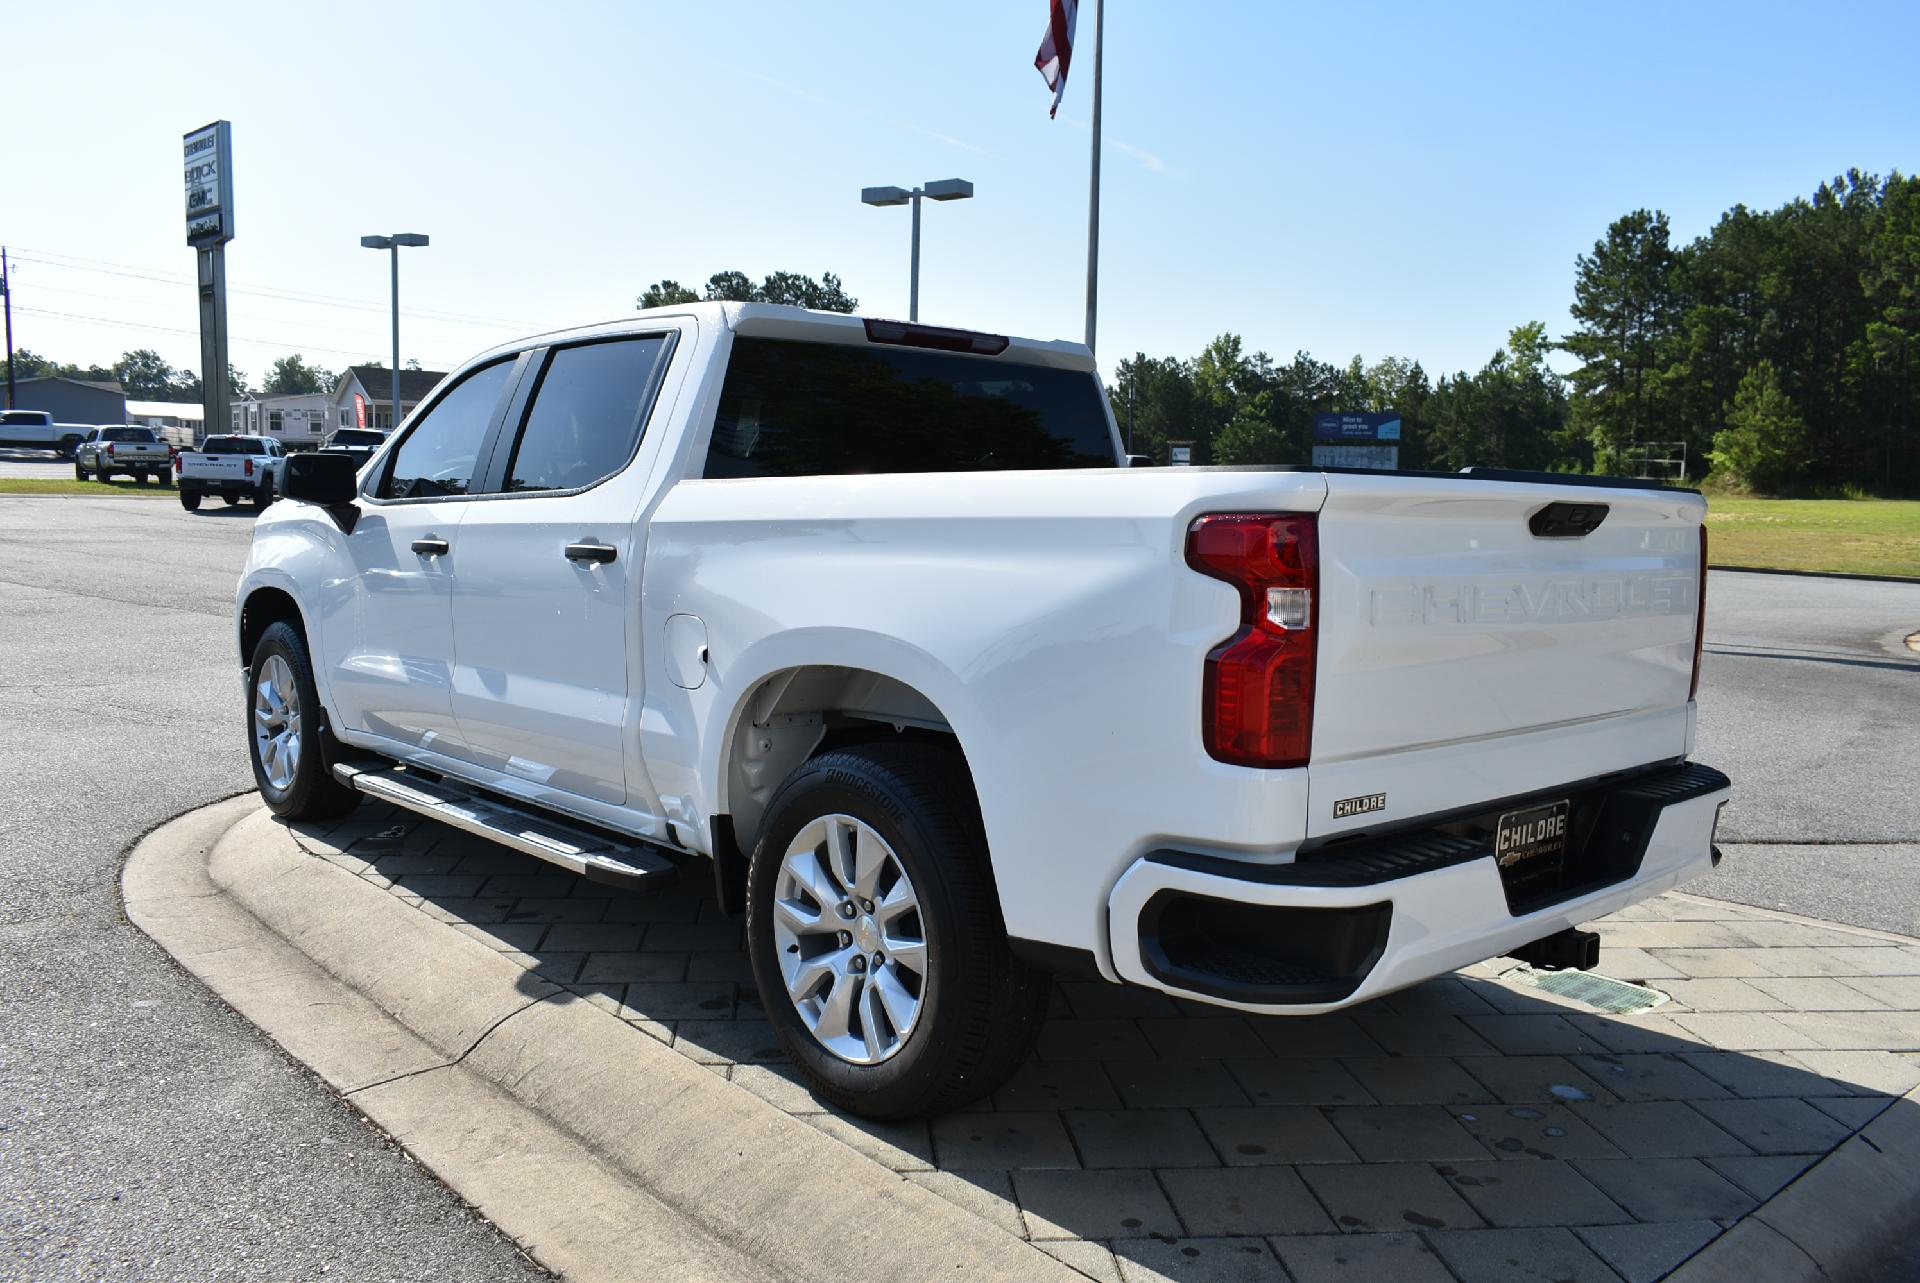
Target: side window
[441,452]
[587,414]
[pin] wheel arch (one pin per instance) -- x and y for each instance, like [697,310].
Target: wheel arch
[263,607]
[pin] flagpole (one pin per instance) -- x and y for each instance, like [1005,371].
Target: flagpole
[1093,185]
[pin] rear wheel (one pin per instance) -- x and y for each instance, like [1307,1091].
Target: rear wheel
[288,730]
[874,932]
[190,500]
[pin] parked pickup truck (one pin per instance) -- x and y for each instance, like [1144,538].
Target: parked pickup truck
[864,615]
[36,430]
[137,452]
[233,467]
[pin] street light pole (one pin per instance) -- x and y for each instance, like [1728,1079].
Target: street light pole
[945,189]
[393,243]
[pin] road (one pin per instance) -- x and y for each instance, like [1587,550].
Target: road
[1808,700]
[146,1131]
[150,1133]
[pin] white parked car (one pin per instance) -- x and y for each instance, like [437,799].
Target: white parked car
[864,616]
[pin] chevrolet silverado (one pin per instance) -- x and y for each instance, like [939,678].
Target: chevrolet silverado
[864,615]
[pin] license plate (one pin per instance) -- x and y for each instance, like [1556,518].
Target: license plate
[1530,834]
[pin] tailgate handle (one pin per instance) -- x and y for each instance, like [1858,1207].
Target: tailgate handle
[1567,520]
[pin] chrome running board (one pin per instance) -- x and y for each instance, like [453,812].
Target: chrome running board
[636,866]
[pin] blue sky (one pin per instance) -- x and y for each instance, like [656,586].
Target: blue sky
[1408,179]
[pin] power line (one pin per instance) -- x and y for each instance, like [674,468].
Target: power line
[48,258]
[169,329]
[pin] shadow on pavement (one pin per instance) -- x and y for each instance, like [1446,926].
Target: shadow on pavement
[1468,1121]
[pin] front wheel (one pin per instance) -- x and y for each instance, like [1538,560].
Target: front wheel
[100,474]
[287,730]
[875,936]
[79,473]
[190,500]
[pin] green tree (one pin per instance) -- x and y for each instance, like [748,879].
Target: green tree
[792,288]
[666,294]
[292,374]
[1628,308]
[1764,445]
[147,376]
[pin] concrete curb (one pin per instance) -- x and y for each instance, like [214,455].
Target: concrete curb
[1835,1221]
[604,1153]
[1818,574]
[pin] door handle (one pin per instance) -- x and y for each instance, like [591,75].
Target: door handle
[431,547]
[591,550]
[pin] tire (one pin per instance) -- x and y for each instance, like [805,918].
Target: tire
[978,1009]
[100,474]
[79,473]
[190,500]
[166,479]
[287,739]
[68,447]
[230,499]
[262,497]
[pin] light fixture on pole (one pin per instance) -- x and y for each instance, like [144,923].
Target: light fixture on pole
[944,189]
[393,243]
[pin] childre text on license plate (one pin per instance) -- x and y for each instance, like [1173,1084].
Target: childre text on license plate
[1536,831]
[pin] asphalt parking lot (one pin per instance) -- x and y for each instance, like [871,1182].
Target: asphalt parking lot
[151,1133]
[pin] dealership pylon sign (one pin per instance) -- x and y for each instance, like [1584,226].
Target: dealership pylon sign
[208,160]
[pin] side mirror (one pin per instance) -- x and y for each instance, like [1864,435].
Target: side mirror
[1140,461]
[325,479]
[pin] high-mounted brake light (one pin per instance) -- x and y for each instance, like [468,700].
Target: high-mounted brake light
[1699,616]
[904,334]
[1257,706]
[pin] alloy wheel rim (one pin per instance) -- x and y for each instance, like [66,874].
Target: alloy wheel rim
[276,722]
[851,939]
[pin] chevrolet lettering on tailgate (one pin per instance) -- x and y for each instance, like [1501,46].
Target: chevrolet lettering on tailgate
[1548,601]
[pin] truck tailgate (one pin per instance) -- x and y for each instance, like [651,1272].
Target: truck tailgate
[1464,658]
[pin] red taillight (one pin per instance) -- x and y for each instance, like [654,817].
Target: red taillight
[1258,701]
[176,465]
[111,452]
[1700,616]
[249,467]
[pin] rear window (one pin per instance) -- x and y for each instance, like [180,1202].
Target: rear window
[357,436]
[234,445]
[25,418]
[810,409]
[127,434]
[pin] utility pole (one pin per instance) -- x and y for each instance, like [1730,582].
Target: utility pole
[6,293]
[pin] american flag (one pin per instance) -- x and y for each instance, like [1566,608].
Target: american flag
[1056,48]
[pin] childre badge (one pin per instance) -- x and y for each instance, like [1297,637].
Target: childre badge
[1347,806]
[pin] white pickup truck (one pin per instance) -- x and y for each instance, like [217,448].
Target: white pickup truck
[36,430]
[134,451]
[233,467]
[864,614]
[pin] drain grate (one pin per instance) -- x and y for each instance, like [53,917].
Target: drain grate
[1602,993]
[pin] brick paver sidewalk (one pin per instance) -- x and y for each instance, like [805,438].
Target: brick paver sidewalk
[1472,1128]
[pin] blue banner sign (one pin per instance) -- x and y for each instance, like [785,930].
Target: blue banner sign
[1357,427]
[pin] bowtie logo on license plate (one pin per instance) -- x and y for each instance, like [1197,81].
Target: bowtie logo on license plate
[1529,834]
